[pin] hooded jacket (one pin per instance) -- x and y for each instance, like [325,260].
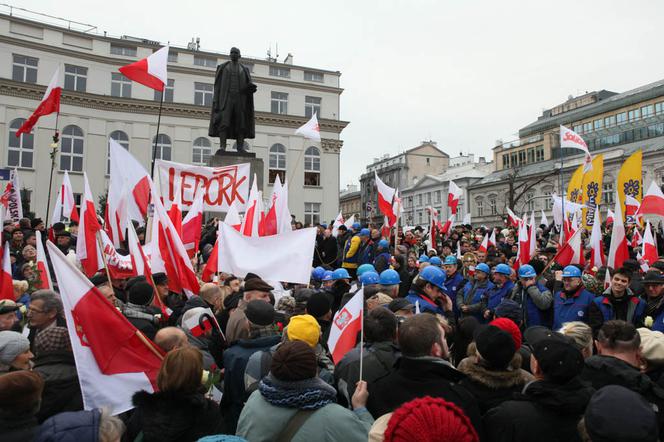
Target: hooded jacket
[62,391]
[64,427]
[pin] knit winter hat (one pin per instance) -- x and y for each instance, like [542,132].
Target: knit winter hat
[430,419]
[20,391]
[141,293]
[259,312]
[318,305]
[12,344]
[294,361]
[510,327]
[304,328]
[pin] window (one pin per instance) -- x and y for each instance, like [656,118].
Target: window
[277,163]
[122,139]
[71,149]
[530,201]
[427,197]
[598,124]
[419,200]
[172,57]
[203,94]
[313,76]
[279,103]
[621,117]
[169,91]
[513,160]
[634,114]
[312,166]
[162,147]
[531,155]
[539,153]
[311,213]
[277,71]
[120,85]
[75,78]
[20,150]
[577,128]
[24,69]
[492,205]
[506,161]
[610,121]
[480,207]
[202,150]
[659,107]
[647,111]
[208,62]
[127,51]
[311,106]
[587,127]
[607,191]
[436,196]
[522,156]
[420,216]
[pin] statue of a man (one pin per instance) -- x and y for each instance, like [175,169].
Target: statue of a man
[232,113]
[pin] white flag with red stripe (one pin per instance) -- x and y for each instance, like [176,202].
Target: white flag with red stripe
[524,244]
[650,254]
[174,211]
[87,246]
[447,226]
[48,105]
[597,257]
[618,251]
[653,201]
[532,236]
[192,225]
[346,324]
[42,265]
[492,238]
[151,71]
[251,224]
[609,216]
[338,221]
[310,129]
[543,219]
[65,205]
[386,196]
[6,281]
[571,252]
[278,218]
[453,196]
[512,219]
[113,360]
[484,247]
[570,139]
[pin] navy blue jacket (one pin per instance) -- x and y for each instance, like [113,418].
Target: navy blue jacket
[574,308]
[535,302]
[70,426]
[475,295]
[496,294]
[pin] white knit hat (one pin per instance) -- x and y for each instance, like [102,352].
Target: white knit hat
[12,344]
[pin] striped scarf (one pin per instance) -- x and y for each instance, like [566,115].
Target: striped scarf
[308,394]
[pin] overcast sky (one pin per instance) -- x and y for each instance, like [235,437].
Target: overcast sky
[462,73]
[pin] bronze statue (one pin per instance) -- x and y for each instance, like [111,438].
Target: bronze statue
[232,113]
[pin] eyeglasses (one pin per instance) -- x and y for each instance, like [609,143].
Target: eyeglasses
[34,310]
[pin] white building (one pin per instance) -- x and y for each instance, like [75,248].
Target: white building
[98,102]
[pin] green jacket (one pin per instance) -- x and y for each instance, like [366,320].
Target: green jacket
[261,421]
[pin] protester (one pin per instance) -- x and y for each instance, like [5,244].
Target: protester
[581,334]
[15,352]
[652,355]
[427,292]
[573,301]
[653,283]
[617,302]
[8,318]
[502,287]
[254,289]
[472,301]
[170,338]
[533,297]
[20,394]
[45,311]
[92,425]
[202,339]
[139,310]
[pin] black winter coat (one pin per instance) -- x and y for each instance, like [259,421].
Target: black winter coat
[62,391]
[170,416]
[544,412]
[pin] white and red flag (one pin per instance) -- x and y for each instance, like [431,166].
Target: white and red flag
[453,195]
[338,221]
[524,244]
[385,229]
[11,198]
[570,139]
[447,226]
[346,325]
[350,221]
[631,207]
[386,198]
[484,247]
[87,245]
[65,205]
[233,217]
[609,216]
[175,212]
[113,359]
[192,225]
[492,238]
[637,239]
[252,224]
[653,202]
[278,218]
[48,105]
[512,219]
[212,264]
[543,219]
[310,129]
[197,325]
[618,251]
[650,254]
[597,257]
[532,236]
[6,281]
[571,252]
[151,71]
[607,279]
[42,265]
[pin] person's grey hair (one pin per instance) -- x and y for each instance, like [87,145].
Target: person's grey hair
[580,332]
[51,300]
[111,428]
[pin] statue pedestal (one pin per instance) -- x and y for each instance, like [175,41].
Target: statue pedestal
[231,158]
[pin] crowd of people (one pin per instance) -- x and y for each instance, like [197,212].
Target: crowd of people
[458,344]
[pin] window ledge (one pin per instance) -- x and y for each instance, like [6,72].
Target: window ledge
[75,172]
[32,169]
[312,187]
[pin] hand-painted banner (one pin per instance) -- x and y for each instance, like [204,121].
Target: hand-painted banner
[222,185]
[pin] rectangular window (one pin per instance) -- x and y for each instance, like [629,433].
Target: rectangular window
[279,103]
[127,51]
[282,72]
[169,92]
[428,198]
[659,107]
[313,76]
[24,69]
[208,62]
[610,121]
[419,200]
[75,78]
[531,155]
[522,157]
[311,213]
[506,161]
[647,111]
[598,124]
[530,202]
[539,153]
[492,206]
[577,128]
[311,106]
[120,85]
[548,202]
[621,117]
[513,159]
[607,193]
[436,198]
[634,114]
[480,207]
[172,57]
[587,127]
[203,94]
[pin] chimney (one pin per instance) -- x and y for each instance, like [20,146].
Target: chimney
[288,59]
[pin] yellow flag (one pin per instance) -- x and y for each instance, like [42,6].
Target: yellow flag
[592,190]
[630,182]
[574,191]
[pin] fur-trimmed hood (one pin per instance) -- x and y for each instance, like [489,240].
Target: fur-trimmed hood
[512,377]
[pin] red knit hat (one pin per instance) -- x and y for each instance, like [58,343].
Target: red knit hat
[430,419]
[510,327]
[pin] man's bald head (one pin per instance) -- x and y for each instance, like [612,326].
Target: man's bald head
[211,293]
[169,338]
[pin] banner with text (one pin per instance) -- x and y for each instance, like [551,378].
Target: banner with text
[222,185]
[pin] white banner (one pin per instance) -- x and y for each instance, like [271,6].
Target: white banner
[11,198]
[221,185]
[284,257]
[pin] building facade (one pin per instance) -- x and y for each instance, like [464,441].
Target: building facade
[350,202]
[612,124]
[99,103]
[399,171]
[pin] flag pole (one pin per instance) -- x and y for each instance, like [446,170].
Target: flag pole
[103,259]
[299,158]
[156,138]
[562,192]
[362,336]
[54,151]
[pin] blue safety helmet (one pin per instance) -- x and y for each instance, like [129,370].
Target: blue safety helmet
[571,272]
[318,273]
[370,277]
[365,268]
[327,276]
[527,271]
[450,260]
[383,244]
[365,232]
[482,267]
[435,261]
[389,277]
[503,269]
[423,258]
[340,274]
[433,275]
[356,226]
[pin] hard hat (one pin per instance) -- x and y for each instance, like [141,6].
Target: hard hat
[482,267]
[503,269]
[383,244]
[389,277]
[356,226]
[450,260]
[433,275]
[365,268]
[327,276]
[365,232]
[423,258]
[571,272]
[527,271]
[435,261]
[340,274]
[318,273]
[370,277]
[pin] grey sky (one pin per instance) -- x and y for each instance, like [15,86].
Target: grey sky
[462,73]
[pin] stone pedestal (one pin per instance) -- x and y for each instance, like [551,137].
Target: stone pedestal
[231,158]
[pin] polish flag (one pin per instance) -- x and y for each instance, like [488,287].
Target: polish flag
[175,211]
[433,214]
[484,247]
[310,129]
[637,239]
[87,246]
[192,225]
[650,254]
[338,221]
[141,266]
[569,138]
[385,229]
[642,262]
[524,244]
[42,265]
[48,105]
[447,226]
[532,236]
[212,265]
[492,238]
[233,217]
[512,219]
[653,202]
[607,279]
[618,252]
[6,281]
[597,257]
[119,266]
[386,196]
[609,216]
[349,222]
[113,359]
[543,219]
[251,225]
[278,218]
[196,326]
[11,198]
[168,252]
[571,252]
[453,196]
[65,206]
[150,71]
[346,324]
[631,207]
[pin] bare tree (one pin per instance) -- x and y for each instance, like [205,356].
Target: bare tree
[517,188]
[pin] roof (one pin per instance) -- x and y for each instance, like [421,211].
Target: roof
[429,180]
[633,96]
[411,150]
